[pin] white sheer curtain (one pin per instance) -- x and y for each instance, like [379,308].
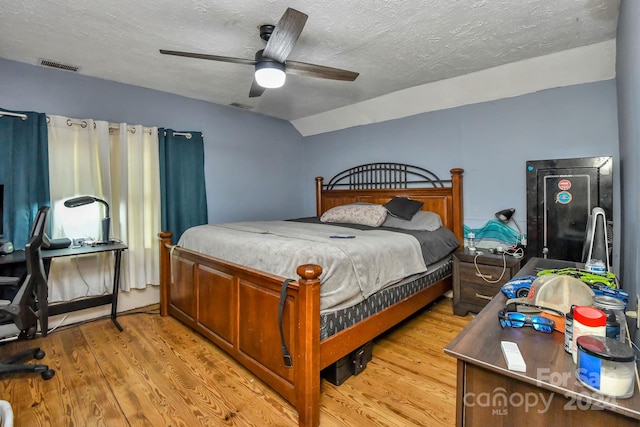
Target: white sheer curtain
[135,183]
[118,164]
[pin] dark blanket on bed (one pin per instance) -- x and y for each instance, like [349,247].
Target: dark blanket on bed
[435,245]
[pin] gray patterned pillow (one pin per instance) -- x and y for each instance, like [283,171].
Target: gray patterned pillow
[366,214]
[422,220]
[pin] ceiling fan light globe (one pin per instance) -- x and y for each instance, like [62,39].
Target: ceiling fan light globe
[270,75]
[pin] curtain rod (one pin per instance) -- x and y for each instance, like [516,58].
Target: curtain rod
[130,128]
[114,126]
[7,113]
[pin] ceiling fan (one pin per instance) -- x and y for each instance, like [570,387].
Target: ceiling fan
[271,65]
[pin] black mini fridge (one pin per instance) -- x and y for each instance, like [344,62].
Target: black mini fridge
[561,194]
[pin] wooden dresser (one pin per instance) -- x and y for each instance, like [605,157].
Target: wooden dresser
[478,277]
[547,394]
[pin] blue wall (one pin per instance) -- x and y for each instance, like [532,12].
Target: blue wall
[491,141]
[255,167]
[250,158]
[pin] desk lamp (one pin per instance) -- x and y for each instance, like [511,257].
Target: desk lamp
[85,200]
[505,216]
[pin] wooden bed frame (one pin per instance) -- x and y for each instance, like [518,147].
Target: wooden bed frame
[237,307]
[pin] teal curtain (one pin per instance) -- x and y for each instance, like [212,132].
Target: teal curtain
[182,185]
[24,172]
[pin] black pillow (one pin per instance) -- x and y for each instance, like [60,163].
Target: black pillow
[403,207]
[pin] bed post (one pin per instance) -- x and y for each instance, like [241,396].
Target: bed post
[165,271]
[308,357]
[319,195]
[458,219]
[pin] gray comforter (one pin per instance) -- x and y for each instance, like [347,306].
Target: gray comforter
[435,244]
[373,260]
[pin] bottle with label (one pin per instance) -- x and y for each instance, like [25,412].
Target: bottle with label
[587,320]
[596,266]
[471,239]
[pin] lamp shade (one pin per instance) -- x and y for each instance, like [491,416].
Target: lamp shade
[85,200]
[79,201]
[505,215]
[270,74]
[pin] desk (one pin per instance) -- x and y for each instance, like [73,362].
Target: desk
[47,310]
[548,393]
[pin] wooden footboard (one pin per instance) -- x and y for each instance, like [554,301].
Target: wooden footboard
[237,309]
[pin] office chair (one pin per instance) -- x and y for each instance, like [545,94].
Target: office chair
[20,315]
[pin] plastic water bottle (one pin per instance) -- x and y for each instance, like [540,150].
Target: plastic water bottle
[471,237]
[596,266]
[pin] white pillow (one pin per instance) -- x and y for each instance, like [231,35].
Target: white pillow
[366,214]
[422,220]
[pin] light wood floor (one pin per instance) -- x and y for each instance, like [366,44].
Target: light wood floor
[159,373]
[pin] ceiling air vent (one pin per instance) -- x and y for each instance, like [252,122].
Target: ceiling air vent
[58,65]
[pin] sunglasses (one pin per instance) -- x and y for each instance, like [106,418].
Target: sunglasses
[543,311]
[513,319]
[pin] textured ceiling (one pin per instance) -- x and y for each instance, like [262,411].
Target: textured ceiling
[393,44]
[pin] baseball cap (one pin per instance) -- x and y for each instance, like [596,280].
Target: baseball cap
[557,293]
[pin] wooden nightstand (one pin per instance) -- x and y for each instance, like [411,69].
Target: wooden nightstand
[471,292]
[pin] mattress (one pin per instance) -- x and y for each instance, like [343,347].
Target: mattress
[332,322]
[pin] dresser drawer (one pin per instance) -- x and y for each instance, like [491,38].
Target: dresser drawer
[478,293]
[491,273]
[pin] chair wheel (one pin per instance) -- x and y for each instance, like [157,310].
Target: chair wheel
[39,355]
[48,374]
[31,332]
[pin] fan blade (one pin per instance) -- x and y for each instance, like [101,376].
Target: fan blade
[285,35]
[209,57]
[256,90]
[319,71]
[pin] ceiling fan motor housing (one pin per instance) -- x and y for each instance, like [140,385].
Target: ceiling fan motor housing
[260,58]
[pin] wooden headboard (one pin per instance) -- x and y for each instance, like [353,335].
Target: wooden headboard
[379,182]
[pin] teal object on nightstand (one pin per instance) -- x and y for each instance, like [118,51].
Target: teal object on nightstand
[494,230]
